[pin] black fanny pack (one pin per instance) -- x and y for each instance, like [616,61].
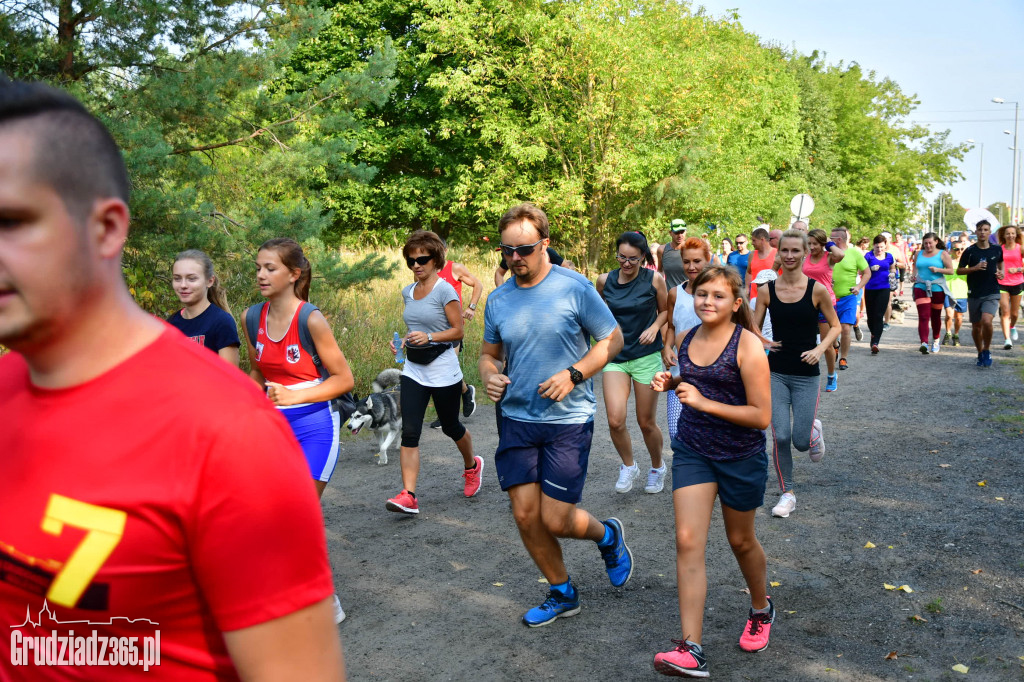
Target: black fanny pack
[424,355]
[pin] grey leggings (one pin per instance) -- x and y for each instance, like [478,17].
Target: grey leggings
[801,395]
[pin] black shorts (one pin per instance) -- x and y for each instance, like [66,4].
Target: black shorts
[741,482]
[1012,289]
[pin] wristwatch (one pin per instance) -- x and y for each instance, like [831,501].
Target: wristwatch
[472,306]
[430,338]
[575,375]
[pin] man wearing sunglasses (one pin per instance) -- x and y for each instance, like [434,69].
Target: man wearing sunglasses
[670,259]
[553,256]
[542,321]
[740,257]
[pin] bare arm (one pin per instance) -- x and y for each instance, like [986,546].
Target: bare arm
[648,335]
[340,380]
[865,276]
[492,359]
[230,354]
[660,255]
[668,353]
[835,254]
[560,385]
[599,285]
[761,306]
[466,277]
[499,276]
[303,645]
[254,372]
[823,302]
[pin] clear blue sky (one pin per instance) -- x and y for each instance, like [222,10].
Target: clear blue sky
[954,55]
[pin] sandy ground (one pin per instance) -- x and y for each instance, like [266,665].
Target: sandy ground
[925,460]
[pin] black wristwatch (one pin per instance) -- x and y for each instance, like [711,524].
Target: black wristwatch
[575,375]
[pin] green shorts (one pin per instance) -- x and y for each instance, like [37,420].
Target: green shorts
[642,370]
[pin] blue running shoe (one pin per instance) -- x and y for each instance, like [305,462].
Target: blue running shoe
[981,359]
[618,560]
[987,358]
[832,383]
[557,605]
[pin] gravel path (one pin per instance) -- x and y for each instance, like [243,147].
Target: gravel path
[925,460]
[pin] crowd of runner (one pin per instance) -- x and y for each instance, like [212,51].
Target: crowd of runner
[734,337]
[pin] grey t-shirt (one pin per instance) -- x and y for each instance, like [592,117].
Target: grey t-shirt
[427,315]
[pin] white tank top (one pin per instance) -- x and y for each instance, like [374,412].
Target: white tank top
[684,317]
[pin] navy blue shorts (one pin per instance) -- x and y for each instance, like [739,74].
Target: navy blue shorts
[554,455]
[740,482]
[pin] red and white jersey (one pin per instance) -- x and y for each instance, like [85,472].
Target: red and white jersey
[165,495]
[284,361]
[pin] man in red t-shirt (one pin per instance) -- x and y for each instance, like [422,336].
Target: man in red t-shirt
[147,489]
[761,258]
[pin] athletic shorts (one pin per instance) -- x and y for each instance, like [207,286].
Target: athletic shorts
[1012,289]
[642,370]
[316,427]
[741,482]
[960,305]
[846,309]
[554,455]
[976,307]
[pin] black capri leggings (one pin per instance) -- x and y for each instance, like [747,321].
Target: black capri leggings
[414,399]
[875,303]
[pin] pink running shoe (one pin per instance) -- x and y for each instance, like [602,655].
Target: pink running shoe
[759,626]
[473,478]
[404,502]
[686,660]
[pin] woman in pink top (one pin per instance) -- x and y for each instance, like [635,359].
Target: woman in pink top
[1010,287]
[818,266]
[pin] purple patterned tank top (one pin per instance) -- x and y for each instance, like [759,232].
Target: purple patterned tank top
[720,381]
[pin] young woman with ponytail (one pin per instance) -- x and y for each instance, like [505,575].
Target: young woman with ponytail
[205,318]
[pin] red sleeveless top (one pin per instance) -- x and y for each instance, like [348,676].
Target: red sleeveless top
[447,275]
[284,361]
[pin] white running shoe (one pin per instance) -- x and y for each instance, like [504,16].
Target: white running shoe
[1008,345]
[924,348]
[656,480]
[817,450]
[339,613]
[786,505]
[1013,335]
[626,477]
[935,346]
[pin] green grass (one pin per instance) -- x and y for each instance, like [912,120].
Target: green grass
[934,606]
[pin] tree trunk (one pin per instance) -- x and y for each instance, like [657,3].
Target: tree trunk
[66,39]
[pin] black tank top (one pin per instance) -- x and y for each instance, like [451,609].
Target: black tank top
[795,327]
[635,307]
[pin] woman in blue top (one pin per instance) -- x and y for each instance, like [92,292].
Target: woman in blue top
[205,318]
[876,291]
[638,298]
[930,267]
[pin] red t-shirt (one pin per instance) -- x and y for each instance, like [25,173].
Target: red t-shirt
[167,489]
[757,264]
[447,274]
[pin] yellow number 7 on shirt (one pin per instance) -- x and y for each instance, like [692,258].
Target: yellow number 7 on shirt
[104,528]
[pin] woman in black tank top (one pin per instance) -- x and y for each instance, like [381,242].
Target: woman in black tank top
[794,301]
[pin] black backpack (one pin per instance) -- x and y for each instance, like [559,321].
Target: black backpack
[344,404]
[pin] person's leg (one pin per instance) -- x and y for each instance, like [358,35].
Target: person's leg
[1004,313]
[739,529]
[616,387]
[413,399]
[958,321]
[537,539]
[875,312]
[844,341]
[566,520]
[804,393]
[646,418]
[782,430]
[938,300]
[693,505]
[986,330]
[1014,310]
[923,303]
[888,311]
[447,402]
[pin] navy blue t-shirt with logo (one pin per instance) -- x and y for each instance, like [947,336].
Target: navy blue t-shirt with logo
[213,328]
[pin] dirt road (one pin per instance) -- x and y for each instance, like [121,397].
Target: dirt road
[925,461]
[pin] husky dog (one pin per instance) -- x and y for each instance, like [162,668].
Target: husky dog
[898,309]
[381,411]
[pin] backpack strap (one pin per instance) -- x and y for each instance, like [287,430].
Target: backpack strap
[252,321]
[306,339]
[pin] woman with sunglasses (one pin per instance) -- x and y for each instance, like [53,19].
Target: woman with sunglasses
[638,299]
[433,315]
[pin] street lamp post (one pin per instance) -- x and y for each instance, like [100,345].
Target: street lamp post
[981,171]
[1015,180]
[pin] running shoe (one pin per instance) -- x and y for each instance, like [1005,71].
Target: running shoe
[947,340]
[831,382]
[474,477]
[469,401]
[817,450]
[1008,345]
[874,349]
[886,327]
[924,348]
[404,503]
[339,613]
[858,333]
[1013,335]
[987,358]
[935,346]
[686,660]
[618,560]
[956,339]
[787,503]
[626,477]
[656,480]
[759,627]
[557,605]
[843,364]
[981,359]
[436,424]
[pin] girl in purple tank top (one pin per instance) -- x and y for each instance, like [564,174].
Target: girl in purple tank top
[719,451]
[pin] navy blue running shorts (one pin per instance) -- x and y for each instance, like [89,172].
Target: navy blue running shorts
[554,455]
[740,482]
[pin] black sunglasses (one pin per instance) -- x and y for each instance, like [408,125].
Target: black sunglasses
[523,251]
[422,260]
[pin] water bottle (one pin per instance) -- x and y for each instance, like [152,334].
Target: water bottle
[399,356]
